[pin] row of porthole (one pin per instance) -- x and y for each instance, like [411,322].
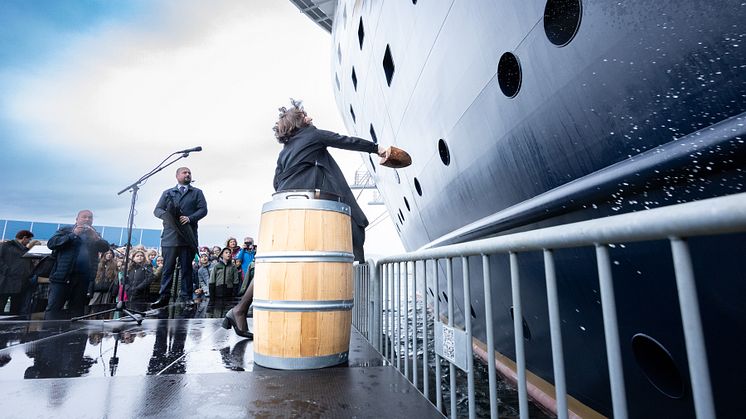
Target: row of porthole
[561,23]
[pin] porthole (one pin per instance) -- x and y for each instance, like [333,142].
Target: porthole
[562,20]
[526,330]
[336,78]
[431,291]
[445,296]
[417,187]
[401,214]
[373,135]
[361,33]
[352,113]
[509,74]
[396,176]
[354,79]
[658,365]
[445,154]
[473,313]
[373,165]
[407,204]
[388,65]
[397,229]
[339,54]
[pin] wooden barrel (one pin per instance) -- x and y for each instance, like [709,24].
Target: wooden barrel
[303,283]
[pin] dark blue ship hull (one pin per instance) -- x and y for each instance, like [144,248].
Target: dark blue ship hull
[642,107]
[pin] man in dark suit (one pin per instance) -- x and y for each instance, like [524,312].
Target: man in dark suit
[180,208]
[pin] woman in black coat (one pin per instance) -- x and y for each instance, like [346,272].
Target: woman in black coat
[305,163]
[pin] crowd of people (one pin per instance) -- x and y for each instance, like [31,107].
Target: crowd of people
[217,273]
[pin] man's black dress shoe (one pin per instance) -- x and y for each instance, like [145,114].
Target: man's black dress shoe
[162,301]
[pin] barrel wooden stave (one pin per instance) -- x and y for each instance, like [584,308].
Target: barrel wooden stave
[305,230]
[301,334]
[311,281]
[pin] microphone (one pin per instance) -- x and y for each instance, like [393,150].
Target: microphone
[190,150]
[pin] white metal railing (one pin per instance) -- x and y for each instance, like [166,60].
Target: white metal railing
[379,285]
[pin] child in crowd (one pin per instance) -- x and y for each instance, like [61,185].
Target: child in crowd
[203,275]
[139,278]
[223,275]
[154,290]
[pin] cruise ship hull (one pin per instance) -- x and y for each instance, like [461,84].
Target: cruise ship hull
[598,108]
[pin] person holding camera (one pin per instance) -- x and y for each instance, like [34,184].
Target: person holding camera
[76,249]
[246,254]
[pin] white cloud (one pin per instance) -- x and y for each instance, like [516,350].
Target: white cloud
[127,93]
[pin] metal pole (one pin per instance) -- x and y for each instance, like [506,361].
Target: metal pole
[355,293]
[406,320]
[391,311]
[555,331]
[467,326]
[520,354]
[451,367]
[490,335]
[611,332]
[438,372]
[397,302]
[425,345]
[415,378]
[392,325]
[385,315]
[693,335]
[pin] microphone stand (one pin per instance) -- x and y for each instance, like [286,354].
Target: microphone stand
[121,306]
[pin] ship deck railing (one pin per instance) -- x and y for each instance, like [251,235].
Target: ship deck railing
[379,285]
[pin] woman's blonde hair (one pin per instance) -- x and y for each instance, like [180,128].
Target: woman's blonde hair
[291,120]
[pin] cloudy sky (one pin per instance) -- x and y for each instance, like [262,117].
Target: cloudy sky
[95,93]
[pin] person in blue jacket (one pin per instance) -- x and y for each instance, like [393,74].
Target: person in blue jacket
[76,250]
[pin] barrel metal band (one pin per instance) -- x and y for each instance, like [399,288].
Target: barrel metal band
[304,363]
[306,204]
[280,305]
[304,256]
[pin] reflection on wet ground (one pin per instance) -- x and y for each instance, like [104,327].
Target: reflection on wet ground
[174,340]
[180,342]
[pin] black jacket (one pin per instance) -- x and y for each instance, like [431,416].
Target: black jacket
[15,271]
[192,204]
[305,163]
[66,245]
[138,281]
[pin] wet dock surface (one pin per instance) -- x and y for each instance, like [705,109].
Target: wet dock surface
[179,362]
